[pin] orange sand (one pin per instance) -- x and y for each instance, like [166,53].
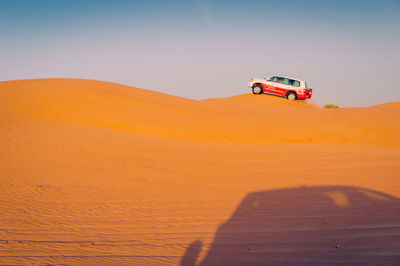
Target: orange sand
[100,173]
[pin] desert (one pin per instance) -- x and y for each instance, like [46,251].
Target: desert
[100,173]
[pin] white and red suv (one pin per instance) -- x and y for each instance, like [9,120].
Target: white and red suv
[291,88]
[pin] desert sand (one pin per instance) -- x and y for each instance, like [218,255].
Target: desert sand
[101,173]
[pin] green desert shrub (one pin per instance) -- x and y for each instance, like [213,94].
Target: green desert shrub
[331,105]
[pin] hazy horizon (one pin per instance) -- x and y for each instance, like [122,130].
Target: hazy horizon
[347,51]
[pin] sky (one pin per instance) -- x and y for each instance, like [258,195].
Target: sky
[347,51]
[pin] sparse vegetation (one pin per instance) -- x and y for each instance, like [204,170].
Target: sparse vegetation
[331,105]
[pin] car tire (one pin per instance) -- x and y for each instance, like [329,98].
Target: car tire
[291,96]
[257,89]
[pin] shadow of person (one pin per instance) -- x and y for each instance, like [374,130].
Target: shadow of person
[327,225]
[191,253]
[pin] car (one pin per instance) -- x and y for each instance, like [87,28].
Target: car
[291,88]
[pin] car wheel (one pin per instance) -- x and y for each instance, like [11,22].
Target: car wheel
[257,89]
[291,96]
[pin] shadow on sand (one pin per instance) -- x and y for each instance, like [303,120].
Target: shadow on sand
[329,225]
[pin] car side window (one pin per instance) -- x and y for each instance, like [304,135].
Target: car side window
[285,81]
[296,83]
[273,79]
[281,80]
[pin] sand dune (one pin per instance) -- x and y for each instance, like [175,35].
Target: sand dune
[392,104]
[240,119]
[100,173]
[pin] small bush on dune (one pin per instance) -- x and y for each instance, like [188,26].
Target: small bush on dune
[331,105]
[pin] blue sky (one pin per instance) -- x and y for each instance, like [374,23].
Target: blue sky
[347,51]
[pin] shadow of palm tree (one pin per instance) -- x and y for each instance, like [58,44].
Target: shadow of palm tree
[328,225]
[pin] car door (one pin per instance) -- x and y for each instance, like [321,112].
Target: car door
[277,86]
[272,85]
[283,86]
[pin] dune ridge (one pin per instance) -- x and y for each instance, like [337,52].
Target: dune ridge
[391,104]
[105,174]
[239,119]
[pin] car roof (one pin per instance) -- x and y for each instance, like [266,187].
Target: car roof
[283,76]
